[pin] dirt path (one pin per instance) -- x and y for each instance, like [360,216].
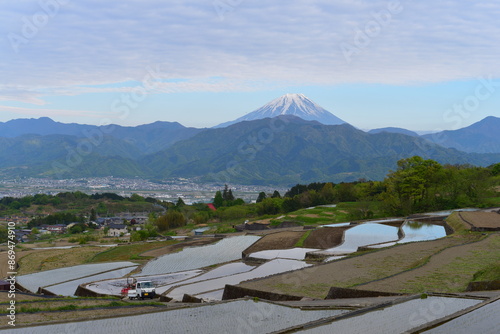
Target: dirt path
[316,281]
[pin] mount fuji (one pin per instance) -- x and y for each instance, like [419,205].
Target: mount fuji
[290,104]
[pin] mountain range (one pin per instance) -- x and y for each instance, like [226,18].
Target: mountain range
[274,145]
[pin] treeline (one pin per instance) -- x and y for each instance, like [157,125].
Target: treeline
[417,185]
[57,218]
[16,204]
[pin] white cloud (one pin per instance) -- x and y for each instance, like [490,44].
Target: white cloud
[256,44]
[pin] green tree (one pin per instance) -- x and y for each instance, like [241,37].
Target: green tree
[93,215]
[180,203]
[261,197]
[495,169]
[328,193]
[227,194]
[409,187]
[136,198]
[139,235]
[218,200]
[77,228]
[172,219]
[276,194]
[269,206]
[201,217]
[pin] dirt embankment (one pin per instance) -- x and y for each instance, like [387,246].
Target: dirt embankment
[326,237]
[278,240]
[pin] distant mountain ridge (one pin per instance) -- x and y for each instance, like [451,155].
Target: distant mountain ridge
[480,137]
[148,138]
[303,151]
[395,130]
[282,150]
[290,104]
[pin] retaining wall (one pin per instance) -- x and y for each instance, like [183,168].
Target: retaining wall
[340,293]
[483,285]
[235,292]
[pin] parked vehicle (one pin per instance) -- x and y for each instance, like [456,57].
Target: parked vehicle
[142,289]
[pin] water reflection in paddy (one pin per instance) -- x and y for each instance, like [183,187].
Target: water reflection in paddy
[269,268]
[399,318]
[224,270]
[363,235]
[417,231]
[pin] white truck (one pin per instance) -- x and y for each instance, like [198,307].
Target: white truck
[142,289]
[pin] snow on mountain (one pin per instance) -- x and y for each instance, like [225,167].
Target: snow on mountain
[290,104]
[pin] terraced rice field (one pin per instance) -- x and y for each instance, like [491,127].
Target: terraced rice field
[482,320]
[51,277]
[269,268]
[114,286]
[241,316]
[398,318]
[69,288]
[226,250]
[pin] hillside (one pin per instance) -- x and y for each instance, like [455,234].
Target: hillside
[480,137]
[296,151]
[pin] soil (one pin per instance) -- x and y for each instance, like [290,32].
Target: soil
[316,281]
[482,219]
[326,237]
[178,247]
[277,240]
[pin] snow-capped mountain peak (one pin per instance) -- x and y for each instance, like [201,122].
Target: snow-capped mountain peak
[290,104]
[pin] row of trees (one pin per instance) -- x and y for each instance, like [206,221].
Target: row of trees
[417,185]
[77,198]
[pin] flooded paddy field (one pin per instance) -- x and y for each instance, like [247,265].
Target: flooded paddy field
[33,281]
[114,286]
[397,318]
[226,250]
[240,316]
[482,320]
[269,268]
[69,288]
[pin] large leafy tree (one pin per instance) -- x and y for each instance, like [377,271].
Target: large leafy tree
[409,188]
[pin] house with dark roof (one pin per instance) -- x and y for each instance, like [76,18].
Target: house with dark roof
[117,230]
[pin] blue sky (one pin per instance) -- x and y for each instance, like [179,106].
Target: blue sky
[420,65]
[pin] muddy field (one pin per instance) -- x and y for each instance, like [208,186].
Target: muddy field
[482,219]
[277,240]
[326,237]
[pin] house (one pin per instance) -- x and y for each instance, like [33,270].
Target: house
[211,207]
[56,229]
[117,230]
[22,235]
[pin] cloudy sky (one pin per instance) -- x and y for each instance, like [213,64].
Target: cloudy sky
[421,65]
